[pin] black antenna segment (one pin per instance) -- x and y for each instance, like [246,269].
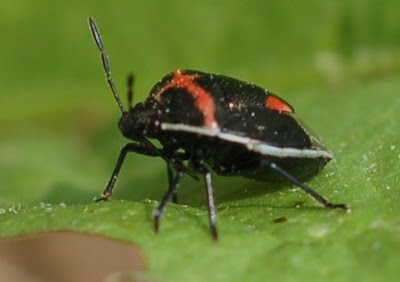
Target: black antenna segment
[106,64]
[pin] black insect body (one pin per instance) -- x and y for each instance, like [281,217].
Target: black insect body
[208,122]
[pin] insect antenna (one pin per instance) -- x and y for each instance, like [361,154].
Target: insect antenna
[106,64]
[131,80]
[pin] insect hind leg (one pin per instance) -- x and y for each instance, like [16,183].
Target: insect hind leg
[304,187]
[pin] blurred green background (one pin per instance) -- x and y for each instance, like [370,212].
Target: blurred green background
[337,62]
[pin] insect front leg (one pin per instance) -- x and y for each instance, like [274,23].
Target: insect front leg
[130,147]
[305,187]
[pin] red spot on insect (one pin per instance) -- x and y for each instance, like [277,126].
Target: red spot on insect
[203,100]
[275,103]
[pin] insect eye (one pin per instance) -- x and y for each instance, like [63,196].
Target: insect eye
[275,103]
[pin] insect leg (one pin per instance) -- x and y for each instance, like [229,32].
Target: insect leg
[173,186]
[175,159]
[212,212]
[170,181]
[130,147]
[305,187]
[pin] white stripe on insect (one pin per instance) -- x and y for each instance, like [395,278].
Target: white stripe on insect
[251,144]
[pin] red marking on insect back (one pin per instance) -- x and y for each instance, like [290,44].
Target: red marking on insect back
[203,100]
[275,103]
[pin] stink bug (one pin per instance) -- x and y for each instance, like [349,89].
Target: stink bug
[210,122]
